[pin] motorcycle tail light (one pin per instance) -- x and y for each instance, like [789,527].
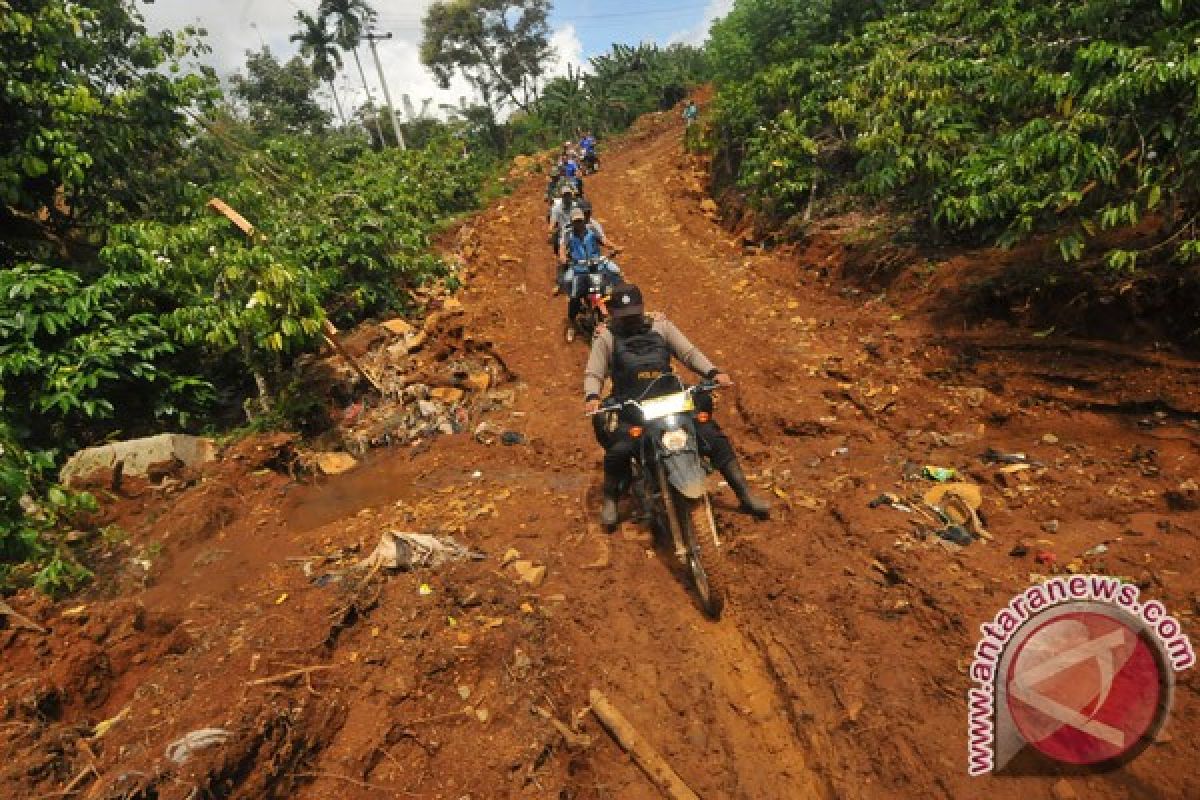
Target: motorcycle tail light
[635,431]
[703,416]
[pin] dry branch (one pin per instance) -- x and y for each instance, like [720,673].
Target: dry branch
[639,749]
[283,676]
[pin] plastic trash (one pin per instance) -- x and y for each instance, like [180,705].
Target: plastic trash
[994,456]
[412,550]
[182,748]
[939,474]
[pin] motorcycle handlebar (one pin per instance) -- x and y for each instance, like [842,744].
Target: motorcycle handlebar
[703,386]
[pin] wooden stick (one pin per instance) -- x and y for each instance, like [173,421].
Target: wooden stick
[219,206]
[21,619]
[295,673]
[331,336]
[335,776]
[639,749]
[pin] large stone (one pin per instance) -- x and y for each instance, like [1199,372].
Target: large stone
[138,455]
[530,573]
[478,381]
[334,463]
[398,326]
[447,395]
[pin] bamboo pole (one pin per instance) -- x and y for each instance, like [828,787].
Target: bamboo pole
[646,757]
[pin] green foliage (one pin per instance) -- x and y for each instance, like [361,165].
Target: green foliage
[994,120]
[618,88]
[28,554]
[279,97]
[88,100]
[125,305]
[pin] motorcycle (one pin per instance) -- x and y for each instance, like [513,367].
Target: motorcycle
[589,284]
[670,487]
[590,163]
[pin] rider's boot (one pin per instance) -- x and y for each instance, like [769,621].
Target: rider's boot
[737,481]
[608,509]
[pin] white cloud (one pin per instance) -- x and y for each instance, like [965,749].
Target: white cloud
[566,43]
[699,32]
[240,25]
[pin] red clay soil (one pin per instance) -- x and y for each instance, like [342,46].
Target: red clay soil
[839,668]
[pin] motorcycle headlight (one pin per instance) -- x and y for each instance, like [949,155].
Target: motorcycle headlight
[675,440]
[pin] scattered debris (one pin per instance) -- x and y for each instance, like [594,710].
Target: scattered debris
[21,620]
[1046,557]
[994,456]
[414,550]
[939,473]
[1050,526]
[182,748]
[573,739]
[891,501]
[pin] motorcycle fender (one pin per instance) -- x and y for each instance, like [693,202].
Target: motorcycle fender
[686,474]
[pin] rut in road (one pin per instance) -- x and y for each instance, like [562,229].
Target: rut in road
[702,692]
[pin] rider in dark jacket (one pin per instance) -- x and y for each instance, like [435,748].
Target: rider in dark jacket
[634,350]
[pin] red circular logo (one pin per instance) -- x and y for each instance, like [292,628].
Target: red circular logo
[1085,688]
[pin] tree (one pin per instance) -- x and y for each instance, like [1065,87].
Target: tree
[88,100]
[320,45]
[351,18]
[279,97]
[501,47]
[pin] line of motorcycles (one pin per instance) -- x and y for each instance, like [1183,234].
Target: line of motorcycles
[669,472]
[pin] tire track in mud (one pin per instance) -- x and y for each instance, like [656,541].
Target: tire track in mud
[702,692]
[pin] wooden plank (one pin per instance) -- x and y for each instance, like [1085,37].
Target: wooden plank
[219,206]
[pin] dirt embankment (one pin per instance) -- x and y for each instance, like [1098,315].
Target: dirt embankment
[839,669]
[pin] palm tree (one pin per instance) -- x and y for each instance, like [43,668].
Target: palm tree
[319,44]
[350,20]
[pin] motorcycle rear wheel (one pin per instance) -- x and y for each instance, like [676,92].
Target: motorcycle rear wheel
[704,562]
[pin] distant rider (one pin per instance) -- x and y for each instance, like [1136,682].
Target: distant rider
[587,150]
[690,112]
[635,349]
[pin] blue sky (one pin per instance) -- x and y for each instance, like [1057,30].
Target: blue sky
[598,23]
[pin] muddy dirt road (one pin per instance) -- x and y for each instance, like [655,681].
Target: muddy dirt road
[839,670]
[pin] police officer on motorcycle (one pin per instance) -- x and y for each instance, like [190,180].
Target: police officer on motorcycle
[636,349]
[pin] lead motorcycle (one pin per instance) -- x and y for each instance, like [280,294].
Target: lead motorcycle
[670,486]
[590,282]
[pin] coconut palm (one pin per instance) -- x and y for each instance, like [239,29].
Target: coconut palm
[320,45]
[351,19]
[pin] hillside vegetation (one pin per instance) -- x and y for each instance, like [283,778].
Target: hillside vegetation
[992,122]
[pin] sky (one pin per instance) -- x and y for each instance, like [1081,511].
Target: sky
[581,29]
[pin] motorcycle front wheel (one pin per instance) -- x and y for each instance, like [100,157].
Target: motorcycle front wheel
[703,558]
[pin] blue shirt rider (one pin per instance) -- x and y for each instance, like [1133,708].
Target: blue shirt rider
[583,242]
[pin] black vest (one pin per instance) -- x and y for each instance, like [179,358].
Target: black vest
[638,359]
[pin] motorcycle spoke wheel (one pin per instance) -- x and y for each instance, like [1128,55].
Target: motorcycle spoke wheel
[704,561]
